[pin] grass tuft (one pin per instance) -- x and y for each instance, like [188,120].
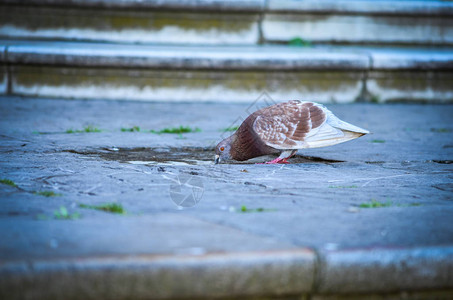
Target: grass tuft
[299,42]
[48,194]
[132,129]
[8,182]
[374,99]
[378,141]
[86,129]
[108,207]
[375,204]
[177,130]
[244,209]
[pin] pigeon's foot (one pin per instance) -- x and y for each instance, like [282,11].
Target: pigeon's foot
[278,160]
[284,161]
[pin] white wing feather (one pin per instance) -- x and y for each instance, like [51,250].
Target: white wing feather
[333,131]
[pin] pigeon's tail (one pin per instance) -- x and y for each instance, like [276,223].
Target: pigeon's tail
[332,132]
[333,121]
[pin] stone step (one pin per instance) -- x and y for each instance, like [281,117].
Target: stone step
[220,73]
[360,22]
[230,22]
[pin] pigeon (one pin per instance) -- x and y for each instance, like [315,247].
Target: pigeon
[283,129]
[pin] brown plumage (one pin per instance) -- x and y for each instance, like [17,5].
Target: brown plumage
[284,128]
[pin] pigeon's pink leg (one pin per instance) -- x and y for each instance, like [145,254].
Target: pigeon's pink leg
[284,161]
[281,159]
[274,161]
[278,160]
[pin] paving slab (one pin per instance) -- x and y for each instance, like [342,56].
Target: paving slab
[381,202]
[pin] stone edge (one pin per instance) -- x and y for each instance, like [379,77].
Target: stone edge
[223,58]
[408,7]
[71,54]
[161,277]
[386,270]
[258,274]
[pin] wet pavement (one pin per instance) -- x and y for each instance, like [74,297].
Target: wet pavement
[391,189]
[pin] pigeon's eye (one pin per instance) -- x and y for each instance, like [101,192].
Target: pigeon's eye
[222,148]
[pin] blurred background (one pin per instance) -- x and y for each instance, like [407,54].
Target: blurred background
[210,50]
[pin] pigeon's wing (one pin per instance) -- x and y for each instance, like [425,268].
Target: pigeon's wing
[286,125]
[333,131]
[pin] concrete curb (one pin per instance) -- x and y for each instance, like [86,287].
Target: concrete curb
[162,277]
[386,270]
[259,274]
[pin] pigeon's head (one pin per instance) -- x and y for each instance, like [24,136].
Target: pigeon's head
[222,150]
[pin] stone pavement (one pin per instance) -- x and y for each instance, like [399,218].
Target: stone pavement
[368,217]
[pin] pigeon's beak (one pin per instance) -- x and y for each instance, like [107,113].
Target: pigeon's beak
[217,159]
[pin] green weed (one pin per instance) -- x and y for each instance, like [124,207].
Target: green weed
[8,182]
[132,129]
[48,194]
[86,129]
[374,99]
[177,130]
[244,209]
[108,207]
[298,42]
[377,141]
[375,204]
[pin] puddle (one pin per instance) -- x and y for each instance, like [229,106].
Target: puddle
[177,156]
[153,156]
